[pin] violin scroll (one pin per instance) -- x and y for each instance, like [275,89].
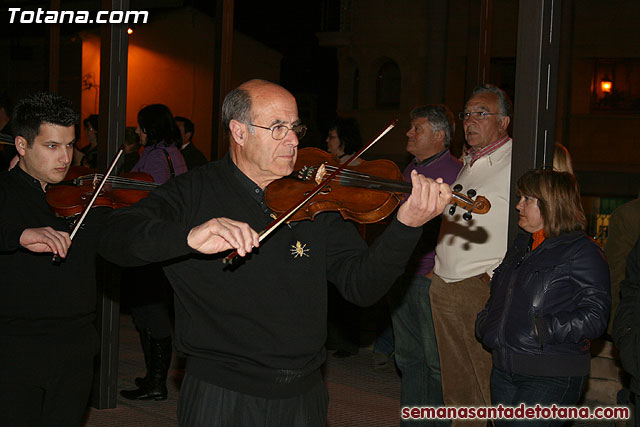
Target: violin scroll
[480,205]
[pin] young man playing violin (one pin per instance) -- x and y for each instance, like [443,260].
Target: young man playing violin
[254,333]
[47,338]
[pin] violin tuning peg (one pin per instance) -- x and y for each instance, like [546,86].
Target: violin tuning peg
[452,210]
[471,193]
[457,188]
[466,216]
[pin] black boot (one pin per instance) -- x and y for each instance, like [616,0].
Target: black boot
[145,343]
[155,386]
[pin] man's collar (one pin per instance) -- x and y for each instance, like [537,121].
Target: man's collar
[476,154]
[24,175]
[256,192]
[431,159]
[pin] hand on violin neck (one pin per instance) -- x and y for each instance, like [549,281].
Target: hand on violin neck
[46,239]
[221,234]
[427,200]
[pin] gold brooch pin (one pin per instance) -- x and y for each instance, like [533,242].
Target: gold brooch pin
[299,250]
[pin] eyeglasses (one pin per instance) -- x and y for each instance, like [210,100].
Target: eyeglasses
[279,132]
[478,115]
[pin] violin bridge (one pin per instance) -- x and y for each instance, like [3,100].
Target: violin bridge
[322,171]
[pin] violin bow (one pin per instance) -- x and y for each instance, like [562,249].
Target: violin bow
[229,259]
[94,196]
[6,139]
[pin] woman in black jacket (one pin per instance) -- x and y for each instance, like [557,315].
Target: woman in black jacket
[549,298]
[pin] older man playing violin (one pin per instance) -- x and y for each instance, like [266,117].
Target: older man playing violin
[254,333]
[47,338]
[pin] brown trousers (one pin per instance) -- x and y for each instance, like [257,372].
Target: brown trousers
[465,364]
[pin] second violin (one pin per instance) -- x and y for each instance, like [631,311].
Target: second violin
[71,196]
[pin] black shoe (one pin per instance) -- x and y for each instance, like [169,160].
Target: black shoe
[150,392]
[155,385]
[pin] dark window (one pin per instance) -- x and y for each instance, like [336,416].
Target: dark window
[388,86]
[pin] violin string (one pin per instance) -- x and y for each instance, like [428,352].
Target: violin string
[353,177]
[122,182]
[385,187]
[367,177]
[348,172]
[349,177]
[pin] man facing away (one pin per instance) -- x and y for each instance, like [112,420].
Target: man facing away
[429,137]
[254,334]
[47,337]
[469,251]
[192,156]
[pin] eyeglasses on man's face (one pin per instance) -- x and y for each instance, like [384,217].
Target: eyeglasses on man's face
[478,115]
[279,132]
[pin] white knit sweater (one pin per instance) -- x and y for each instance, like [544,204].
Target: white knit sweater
[470,248]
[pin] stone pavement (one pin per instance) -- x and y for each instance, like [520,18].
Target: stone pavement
[359,396]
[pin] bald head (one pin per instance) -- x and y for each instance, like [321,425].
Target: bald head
[238,103]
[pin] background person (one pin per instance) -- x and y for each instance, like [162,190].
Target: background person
[161,139]
[162,160]
[428,139]
[343,326]
[562,159]
[131,149]
[344,139]
[549,298]
[468,251]
[192,156]
[90,152]
[626,325]
[624,230]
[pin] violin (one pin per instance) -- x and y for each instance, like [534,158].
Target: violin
[366,193]
[326,176]
[71,196]
[87,190]
[348,193]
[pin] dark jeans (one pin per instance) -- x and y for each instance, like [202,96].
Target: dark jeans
[206,405]
[415,343]
[512,389]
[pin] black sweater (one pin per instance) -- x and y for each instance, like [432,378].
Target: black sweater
[260,327]
[39,297]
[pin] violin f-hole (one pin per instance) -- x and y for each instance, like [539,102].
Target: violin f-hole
[325,190]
